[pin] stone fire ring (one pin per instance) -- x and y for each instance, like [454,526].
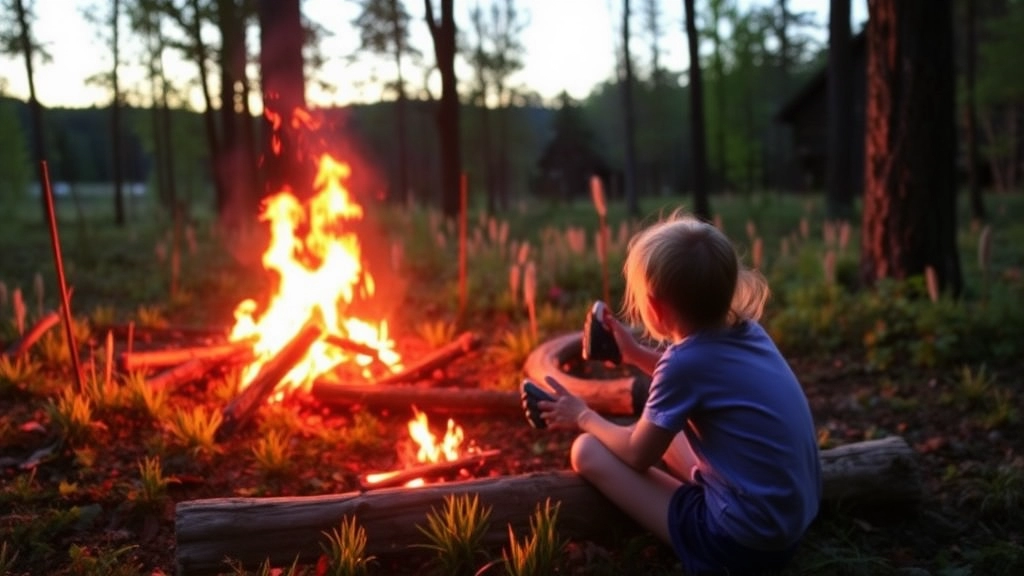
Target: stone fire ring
[615,395]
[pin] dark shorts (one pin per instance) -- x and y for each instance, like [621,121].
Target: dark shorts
[703,550]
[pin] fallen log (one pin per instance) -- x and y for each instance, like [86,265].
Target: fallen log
[245,404]
[131,361]
[379,480]
[21,346]
[443,356]
[446,400]
[250,530]
[352,346]
[196,368]
[617,396]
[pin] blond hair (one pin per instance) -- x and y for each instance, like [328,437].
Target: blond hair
[692,267]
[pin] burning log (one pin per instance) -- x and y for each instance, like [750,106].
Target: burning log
[464,344]
[21,346]
[431,470]
[352,346]
[245,403]
[196,368]
[447,400]
[131,361]
[876,473]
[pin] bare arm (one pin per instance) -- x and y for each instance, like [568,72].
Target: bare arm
[639,446]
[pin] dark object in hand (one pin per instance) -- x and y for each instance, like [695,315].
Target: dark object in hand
[598,342]
[531,395]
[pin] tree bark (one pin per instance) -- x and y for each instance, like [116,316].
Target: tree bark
[839,169]
[401,108]
[701,205]
[909,220]
[284,91]
[443,34]
[875,473]
[629,118]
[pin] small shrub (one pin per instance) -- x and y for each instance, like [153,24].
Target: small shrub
[196,430]
[456,534]
[152,483]
[436,333]
[71,414]
[345,550]
[539,552]
[150,317]
[17,374]
[271,452]
[515,346]
[102,562]
[142,397]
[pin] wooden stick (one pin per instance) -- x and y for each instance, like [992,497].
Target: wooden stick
[196,368]
[131,361]
[464,344]
[244,405]
[352,346]
[62,285]
[444,400]
[880,473]
[379,480]
[22,345]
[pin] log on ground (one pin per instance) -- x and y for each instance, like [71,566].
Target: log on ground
[251,530]
[448,400]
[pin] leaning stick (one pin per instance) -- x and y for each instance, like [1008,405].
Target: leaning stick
[51,216]
[376,481]
[465,343]
[21,347]
[244,405]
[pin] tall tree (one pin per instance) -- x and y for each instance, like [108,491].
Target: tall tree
[23,42]
[480,58]
[629,116]
[237,148]
[718,9]
[116,139]
[442,32]
[909,221]
[701,204]
[839,158]
[384,29]
[971,111]
[284,92]
[507,25]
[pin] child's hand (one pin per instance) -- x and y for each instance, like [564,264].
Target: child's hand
[565,410]
[624,337]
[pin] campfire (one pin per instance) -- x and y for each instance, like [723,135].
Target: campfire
[314,326]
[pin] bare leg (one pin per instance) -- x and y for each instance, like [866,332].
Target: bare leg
[680,458]
[645,496]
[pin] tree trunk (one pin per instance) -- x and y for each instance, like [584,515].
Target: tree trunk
[971,114]
[839,158]
[629,118]
[701,205]
[209,119]
[443,34]
[235,208]
[284,91]
[875,473]
[909,221]
[719,128]
[35,108]
[115,120]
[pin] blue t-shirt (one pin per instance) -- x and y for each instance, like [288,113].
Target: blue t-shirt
[745,415]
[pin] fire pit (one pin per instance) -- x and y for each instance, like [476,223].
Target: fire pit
[609,389]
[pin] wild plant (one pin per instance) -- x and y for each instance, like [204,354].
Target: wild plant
[539,552]
[141,396]
[456,533]
[345,550]
[436,333]
[195,429]
[17,373]
[7,559]
[514,346]
[272,453]
[152,482]
[150,317]
[71,414]
[103,562]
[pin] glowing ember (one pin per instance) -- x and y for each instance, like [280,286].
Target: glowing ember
[320,273]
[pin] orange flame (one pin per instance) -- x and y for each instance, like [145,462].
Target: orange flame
[428,449]
[320,273]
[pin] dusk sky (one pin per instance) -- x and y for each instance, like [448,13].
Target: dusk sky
[570,46]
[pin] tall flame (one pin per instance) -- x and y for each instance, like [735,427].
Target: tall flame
[320,273]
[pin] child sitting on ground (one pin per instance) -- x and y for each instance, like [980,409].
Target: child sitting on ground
[725,416]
